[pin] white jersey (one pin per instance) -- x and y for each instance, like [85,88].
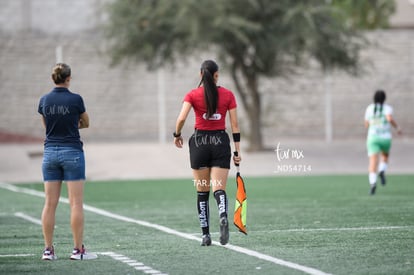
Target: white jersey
[379,127]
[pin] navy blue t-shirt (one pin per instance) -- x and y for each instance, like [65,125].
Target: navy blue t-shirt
[61,109]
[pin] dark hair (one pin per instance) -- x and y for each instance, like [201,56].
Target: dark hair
[379,98]
[208,68]
[60,72]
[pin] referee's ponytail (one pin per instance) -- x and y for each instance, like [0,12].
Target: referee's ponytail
[379,98]
[208,69]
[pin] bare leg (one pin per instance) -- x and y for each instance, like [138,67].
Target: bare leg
[372,177]
[219,178]
[384,161]
[75,192]
[202,179]
[52,194]
[373,163]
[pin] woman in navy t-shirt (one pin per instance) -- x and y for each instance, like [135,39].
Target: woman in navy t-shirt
[63,114]
[210,151]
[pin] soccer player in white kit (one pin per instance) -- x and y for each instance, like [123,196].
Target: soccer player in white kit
[378,121]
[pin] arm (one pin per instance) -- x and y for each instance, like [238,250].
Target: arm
[394,124]
[185,109]
[235,130]
[366,117]
[84,120]
[366,124]
[43,122]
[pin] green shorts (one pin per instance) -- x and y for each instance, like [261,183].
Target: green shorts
[378,145]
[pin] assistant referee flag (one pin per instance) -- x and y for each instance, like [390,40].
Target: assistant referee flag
[240,208]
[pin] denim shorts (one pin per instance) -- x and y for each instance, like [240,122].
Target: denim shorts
[62,163]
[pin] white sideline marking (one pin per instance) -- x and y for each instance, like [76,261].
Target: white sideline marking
[305,269]
[367,228]
[28,218]
[16,255]
[132,263]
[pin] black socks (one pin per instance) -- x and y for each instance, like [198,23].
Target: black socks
[203,211]
[203,208]
[222,203]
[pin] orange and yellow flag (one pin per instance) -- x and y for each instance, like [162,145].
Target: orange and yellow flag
[240,208]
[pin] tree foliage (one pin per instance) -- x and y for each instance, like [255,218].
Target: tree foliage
[253,38]
[371,14]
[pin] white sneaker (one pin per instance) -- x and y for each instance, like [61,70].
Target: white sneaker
[49,254]
[80,254]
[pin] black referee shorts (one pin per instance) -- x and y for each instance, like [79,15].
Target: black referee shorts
[210,149]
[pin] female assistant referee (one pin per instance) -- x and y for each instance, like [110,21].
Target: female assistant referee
[210,151]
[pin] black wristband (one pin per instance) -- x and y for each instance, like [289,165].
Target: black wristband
[236,137]
[176,135]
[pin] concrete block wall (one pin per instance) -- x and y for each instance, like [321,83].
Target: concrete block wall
[298,104]
[49,16]
[123,101]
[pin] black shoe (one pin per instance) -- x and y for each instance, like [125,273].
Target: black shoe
[382,177]
[372,191]
[224,230]
[206,240]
